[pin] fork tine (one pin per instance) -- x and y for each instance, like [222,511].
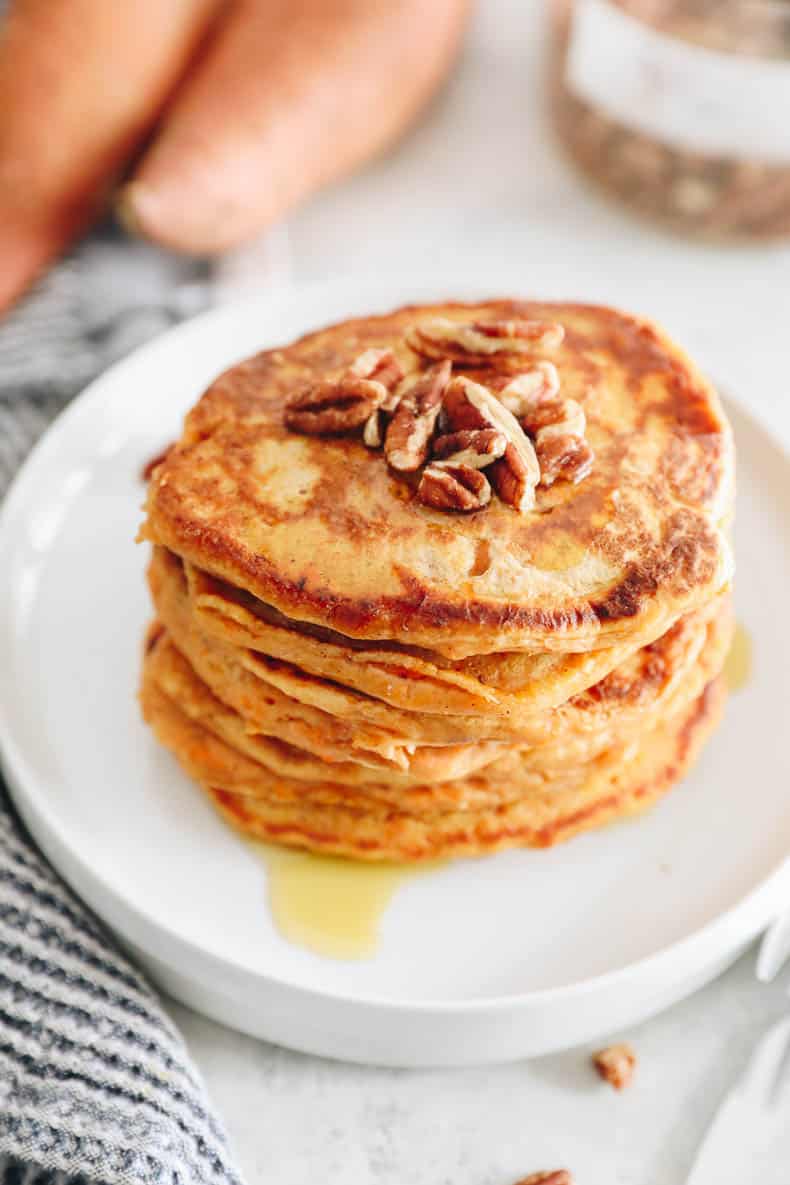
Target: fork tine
[761,1077]
[774,949]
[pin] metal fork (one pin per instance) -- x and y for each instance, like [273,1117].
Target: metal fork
[774,951]
[749,1139]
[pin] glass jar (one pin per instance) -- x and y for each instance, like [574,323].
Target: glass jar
[681,108]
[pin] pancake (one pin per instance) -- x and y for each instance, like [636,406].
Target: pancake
[538,819]
[168,671]
[323,531]
[213,761]
[660,681]
[211,747]
[268,711]
[657,681]
[254,684]
[270,694]
[443,581]
[211,744]
[207,758]
[517,684]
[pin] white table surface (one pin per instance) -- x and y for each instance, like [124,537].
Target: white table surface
[481,185]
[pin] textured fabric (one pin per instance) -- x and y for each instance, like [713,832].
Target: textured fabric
[95,1083]
[110,296]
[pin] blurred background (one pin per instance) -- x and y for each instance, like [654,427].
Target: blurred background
[636,152]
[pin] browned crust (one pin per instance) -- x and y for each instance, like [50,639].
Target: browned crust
[624,701]
[683,561]
[405,838]
[181,708]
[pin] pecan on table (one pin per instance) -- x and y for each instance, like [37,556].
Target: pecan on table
[616,1065]
[547,1177]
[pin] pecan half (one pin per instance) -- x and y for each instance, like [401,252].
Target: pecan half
[392,399]
[545,335]
[540,382]
[556,425]
[516,474]
[372,434]
[382,366]
[371,363]
[407,442]
[563,456]
[550,1177]
[333,406]
[616,1065]
[453,487]
[554,417]
[476,342]
[476,447]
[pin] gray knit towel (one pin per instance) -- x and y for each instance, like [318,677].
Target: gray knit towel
[96,1086]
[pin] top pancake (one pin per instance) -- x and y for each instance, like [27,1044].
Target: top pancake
[322,530]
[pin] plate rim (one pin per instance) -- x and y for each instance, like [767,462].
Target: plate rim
[730,928]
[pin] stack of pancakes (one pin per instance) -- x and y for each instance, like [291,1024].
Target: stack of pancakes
[344,668]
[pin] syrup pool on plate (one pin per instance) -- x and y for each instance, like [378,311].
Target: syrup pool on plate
[334,907]
[738,667]
[330,905]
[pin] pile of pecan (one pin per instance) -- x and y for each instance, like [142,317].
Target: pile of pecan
[514,434]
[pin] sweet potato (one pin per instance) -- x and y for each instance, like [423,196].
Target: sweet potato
[288,97]
[81,83]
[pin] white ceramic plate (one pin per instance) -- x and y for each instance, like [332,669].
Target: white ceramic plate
[484,960]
